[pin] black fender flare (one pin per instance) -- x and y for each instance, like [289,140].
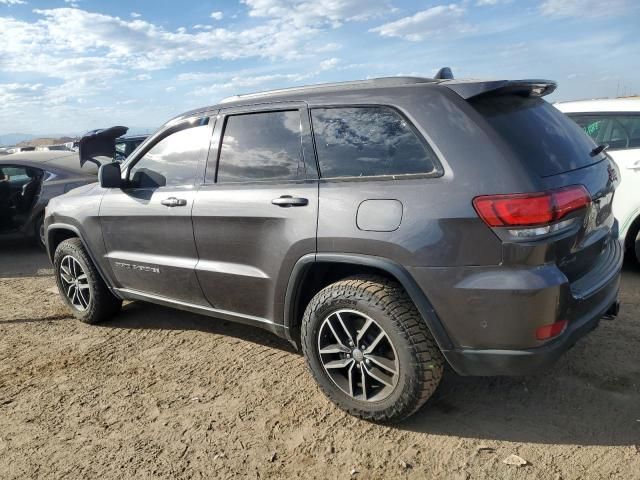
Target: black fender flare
[392,268]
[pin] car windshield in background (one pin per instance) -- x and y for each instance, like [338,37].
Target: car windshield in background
[619,131]
[538,133]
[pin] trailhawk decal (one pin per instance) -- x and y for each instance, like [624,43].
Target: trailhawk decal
[139,268]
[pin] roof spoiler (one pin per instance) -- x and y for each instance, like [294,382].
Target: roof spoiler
[99,143]
[525,88]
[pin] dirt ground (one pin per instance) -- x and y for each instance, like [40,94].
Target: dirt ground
[157,393]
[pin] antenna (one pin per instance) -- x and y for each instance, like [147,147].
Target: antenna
[444,73]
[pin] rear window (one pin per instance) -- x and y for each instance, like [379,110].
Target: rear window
[538,133]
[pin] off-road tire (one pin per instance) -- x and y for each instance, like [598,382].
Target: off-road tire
[103,304]
[385,301]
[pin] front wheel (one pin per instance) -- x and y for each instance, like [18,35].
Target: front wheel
[80,285]
[369,349]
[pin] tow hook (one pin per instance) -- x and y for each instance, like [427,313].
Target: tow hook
[613,311]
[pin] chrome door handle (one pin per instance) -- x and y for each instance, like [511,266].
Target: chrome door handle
[174,202]
[289,201]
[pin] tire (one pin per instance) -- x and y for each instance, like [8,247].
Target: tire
[636,246]
[38,232]
[70,261]
[409,348]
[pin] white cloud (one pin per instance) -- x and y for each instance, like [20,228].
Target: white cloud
[484,3]
[217,15]
[170,89]
[135,15]
[586,8]
[142,77]
[329,63]
[313,12]
[443,19]
[12,2]
[72,3]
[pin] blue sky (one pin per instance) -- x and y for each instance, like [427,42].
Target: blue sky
[67,66]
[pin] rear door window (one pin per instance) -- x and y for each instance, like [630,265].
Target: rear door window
[619,131]
[538,133]
[369,142]
[261,146]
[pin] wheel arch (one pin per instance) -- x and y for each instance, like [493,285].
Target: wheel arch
[309,276]
[632,233]
[59,232]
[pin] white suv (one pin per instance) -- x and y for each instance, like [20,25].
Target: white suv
[616,123]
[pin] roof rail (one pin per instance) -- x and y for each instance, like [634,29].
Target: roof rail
[373,82]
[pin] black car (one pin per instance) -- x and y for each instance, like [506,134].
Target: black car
[386,227]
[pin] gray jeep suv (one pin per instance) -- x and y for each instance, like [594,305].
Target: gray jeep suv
[386,227]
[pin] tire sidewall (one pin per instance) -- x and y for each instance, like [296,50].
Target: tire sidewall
[37,227]
[393,331]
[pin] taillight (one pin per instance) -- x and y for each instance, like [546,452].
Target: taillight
[552,330]
[531,209]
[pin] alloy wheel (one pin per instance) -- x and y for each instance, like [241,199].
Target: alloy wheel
[358,355]
[75,283]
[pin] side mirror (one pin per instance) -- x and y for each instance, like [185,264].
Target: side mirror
[110,176]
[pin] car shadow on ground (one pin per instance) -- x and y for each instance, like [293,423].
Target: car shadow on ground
[19,257]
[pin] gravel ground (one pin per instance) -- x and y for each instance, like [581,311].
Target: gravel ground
[157,393]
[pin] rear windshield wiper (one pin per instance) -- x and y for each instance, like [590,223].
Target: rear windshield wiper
[598,150]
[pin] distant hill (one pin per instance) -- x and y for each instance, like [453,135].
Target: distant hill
[39,142]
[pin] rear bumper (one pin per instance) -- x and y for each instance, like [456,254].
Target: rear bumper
[526,362]
[491,316]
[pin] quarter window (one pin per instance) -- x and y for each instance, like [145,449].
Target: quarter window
[173,161]
[368,141]
[261,146]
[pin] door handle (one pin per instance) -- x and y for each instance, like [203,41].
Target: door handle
[635,165]
[289,201]
[174,202]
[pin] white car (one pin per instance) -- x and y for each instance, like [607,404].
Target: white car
[616,123]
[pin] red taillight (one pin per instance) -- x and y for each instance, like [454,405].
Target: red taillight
[552,330]
[530,209]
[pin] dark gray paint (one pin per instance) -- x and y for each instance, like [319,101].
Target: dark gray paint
[478,291]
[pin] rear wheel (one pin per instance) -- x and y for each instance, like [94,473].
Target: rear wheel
[637,246]
[80,285]
[369,349]
[38,232]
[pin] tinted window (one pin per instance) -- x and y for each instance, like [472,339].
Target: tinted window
[174,159]
[538,133]
[617,131]
[368,141]
[261,146]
